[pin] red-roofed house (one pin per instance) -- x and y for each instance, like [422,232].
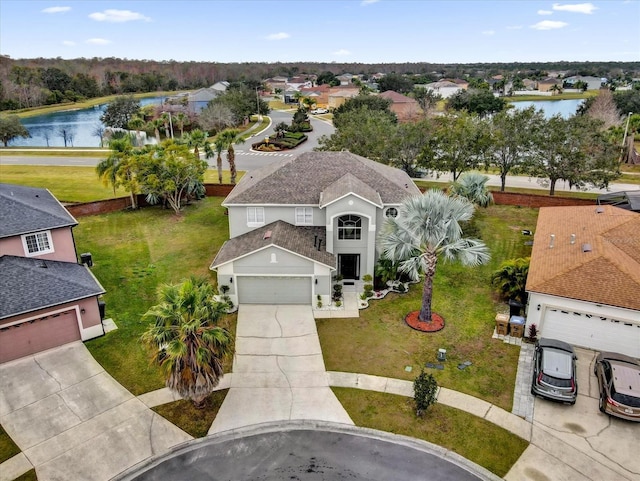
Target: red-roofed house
[584,278]
[404,107]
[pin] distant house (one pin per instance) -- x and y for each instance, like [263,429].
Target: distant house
[529,84]
[404,107]
[297,83]
[593,83]
[444,88]
[339,95]
[319,93]
[46,297]
[295,224]
[547,85]
[584,277]
[199,99]
[345,78]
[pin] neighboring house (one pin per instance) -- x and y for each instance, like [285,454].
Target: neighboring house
[529,84]
[593,83]
[295,224]
[339,95]
[346,78]
[546,85]
[444,88]
[200,98]
[584,277]
[319,93]
[404,107]
[46,298]
[221,86]
[297,83]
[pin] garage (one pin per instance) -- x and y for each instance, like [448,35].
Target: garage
[594,332]
[274,290]
[38,335]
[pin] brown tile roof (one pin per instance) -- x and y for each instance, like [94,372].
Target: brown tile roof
[608,274]
[297,239]
[301,180]
[397,98]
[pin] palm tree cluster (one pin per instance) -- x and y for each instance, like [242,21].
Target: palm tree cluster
[185,339]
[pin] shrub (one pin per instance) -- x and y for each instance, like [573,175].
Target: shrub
[533,333]
[401,288]
[338,303]
[425,392]
[319,303]
[224,289]
[368,290]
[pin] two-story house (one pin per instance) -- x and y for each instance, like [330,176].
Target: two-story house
[46,297]
[295,224]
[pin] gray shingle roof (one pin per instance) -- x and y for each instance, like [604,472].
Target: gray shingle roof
[297,239]
[29,209]
[346,184]
[28,284]
[302,179]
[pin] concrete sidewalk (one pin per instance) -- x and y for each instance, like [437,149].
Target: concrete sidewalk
[278,371]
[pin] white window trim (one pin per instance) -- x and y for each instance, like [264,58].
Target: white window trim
[47,233]
[255,211]
[302,212]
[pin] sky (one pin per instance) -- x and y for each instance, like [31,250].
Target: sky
[365,31]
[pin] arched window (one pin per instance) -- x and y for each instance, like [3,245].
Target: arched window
[391,212]
[349,227]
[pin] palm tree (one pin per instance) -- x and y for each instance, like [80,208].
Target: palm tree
[185,339]
[137,124]
[155,125]
[428,227]
[181,119]
[472,186]
[119,168]
[308,102]
[228,138]
[510,279]
[218,146]
[195,140]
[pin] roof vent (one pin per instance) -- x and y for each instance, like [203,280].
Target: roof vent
[599,210]
[553,238]
[586,247]
[267,235]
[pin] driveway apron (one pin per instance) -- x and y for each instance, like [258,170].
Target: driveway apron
[72,420]
[278,371]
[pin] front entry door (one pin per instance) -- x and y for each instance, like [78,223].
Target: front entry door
[349,266]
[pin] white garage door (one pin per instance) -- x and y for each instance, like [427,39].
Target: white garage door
[38,335]
[594,332]
[274,290]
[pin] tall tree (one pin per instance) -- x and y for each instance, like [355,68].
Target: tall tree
[216,117]
[181,119]
[473,187]
[360,102]
[398,83]
[604,108]
[185,339]
[120,111]
[458,144]
[137,124]
[228,138]
[403,145]
[169,172]
[426,98]
[120,168]
[426,228]
[11,128]
[512,137]
[481,102]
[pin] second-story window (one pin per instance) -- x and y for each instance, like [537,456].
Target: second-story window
[349,227]
[304,215]
[255,216]
[38,243]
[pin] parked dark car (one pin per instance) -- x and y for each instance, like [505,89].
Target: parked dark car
[619,385]
[554,371]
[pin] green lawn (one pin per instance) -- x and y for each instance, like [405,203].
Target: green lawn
[8,448]
[77,184]
[380,343]
[195,422]
[135,252]
[478,440]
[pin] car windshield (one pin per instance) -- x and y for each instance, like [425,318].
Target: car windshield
[557,364]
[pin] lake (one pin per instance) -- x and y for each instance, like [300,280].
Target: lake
[566,108]
[82,123]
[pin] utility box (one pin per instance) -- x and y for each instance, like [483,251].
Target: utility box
[516,326]
[86,259]
[502,324]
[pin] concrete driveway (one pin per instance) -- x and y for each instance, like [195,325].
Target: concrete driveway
[579,442]
[278,371]
[72,420]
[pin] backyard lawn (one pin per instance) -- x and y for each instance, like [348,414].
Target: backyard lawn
[380,343]
[134,253]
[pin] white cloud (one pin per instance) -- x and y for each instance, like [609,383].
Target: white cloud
[98,41]
[364,3]
[587,8]
[488,32]
[118,16]
[545,12]
[278,36]
[514,27]
[68,43]
[342,52]
[549,25]
[55,9]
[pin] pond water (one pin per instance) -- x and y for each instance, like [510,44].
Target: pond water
[566,108]
[81,123]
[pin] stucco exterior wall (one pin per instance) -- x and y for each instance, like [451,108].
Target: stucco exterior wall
[61,240]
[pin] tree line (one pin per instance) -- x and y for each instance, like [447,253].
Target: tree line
[583,150]
[28,83]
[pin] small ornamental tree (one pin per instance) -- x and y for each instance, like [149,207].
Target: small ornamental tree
[425,392]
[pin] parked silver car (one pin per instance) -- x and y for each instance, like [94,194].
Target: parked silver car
[554,371]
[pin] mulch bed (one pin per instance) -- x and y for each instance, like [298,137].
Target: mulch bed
[436,324]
